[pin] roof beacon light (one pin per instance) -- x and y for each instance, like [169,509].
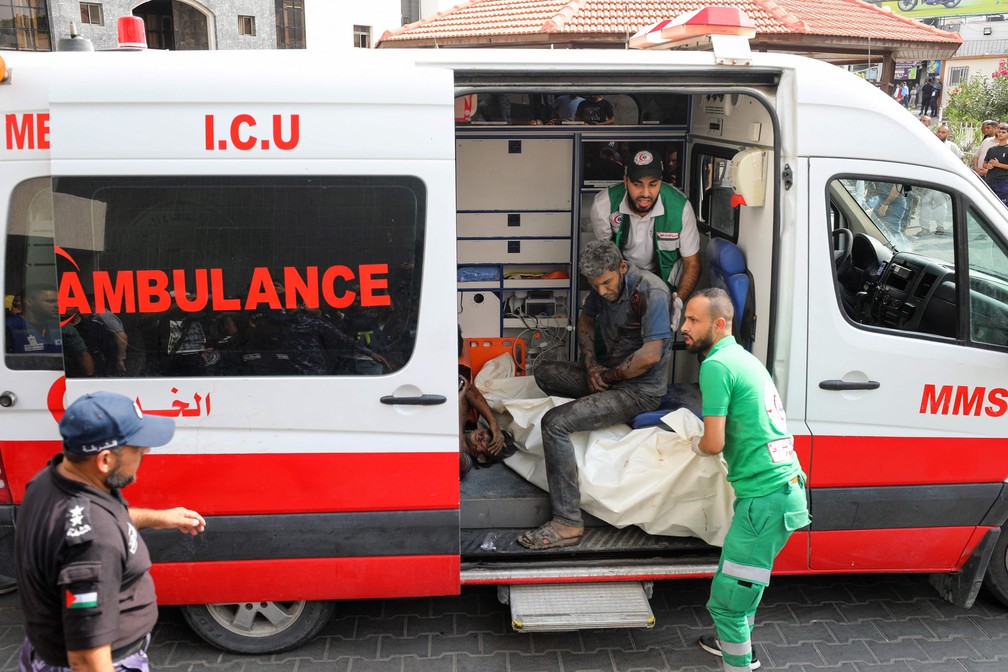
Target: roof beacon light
[131,32]
[726,29]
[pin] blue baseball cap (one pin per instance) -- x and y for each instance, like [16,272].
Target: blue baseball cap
[105,420]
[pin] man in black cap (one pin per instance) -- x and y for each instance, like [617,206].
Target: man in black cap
[83,570]
[653,225]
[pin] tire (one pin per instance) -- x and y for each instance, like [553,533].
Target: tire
[996,579]
[951,3]
[906,5]
[258,627]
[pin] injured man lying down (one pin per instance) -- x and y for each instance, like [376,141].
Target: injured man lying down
[571,421]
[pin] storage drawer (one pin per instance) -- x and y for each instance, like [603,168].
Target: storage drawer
[511,174]
[523,251]
[505,224]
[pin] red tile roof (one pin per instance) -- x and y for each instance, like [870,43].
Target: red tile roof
[479,21]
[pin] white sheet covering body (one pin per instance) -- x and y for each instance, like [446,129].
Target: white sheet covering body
[647,477]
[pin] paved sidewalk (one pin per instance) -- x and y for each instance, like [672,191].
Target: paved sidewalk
[846,623]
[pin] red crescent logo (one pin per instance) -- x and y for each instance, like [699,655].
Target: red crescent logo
[54,400]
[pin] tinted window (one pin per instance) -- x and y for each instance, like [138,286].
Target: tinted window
[243,276]
[988,283]
[32,335]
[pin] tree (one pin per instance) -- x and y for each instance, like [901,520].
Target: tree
[977,99]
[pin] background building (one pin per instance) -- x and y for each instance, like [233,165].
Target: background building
[38,25]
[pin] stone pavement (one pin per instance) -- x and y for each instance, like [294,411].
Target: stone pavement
[845,623]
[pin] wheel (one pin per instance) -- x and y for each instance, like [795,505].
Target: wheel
[996,580]
[906,5]
[951,3]
[258,627]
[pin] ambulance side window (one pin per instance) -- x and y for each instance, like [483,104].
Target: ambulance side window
[988,283]
[243,276]
[33,339]
[895,255]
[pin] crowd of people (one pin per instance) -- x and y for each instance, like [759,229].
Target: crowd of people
[926,95]
[548,109]
[991,158]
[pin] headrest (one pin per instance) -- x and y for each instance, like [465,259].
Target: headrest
[726,256]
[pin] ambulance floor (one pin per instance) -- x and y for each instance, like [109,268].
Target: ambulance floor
[497,505]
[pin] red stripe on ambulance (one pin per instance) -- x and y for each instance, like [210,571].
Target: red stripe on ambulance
[237,484]
[307,579]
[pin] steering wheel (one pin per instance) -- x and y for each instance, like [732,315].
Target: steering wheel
[843,245]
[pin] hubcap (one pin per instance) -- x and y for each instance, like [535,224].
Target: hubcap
[256,619]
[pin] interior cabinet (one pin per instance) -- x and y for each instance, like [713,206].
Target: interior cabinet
[515,228]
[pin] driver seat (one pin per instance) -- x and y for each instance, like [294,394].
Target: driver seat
[727,269]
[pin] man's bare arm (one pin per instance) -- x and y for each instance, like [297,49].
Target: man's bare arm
[98,659]
[637,363]
[690,276]
[713,439]
[181,518]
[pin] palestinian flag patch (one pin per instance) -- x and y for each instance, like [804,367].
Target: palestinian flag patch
[81,600]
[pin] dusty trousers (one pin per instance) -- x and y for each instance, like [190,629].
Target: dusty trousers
[589,410]
[760,528]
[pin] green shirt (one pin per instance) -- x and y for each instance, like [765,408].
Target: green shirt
[758,448]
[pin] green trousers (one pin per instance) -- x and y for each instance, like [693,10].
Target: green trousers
[759,529]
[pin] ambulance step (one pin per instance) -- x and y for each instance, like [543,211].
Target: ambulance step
[577,606]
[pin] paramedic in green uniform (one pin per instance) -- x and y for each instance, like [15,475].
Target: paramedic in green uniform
[653,225]
[744,417]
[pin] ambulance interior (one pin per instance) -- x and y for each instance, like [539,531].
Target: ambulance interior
[526,180]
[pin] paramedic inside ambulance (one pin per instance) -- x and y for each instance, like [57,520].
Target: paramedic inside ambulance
[37,329]
[653,225]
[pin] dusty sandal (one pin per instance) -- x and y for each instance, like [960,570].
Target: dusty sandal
[546,537]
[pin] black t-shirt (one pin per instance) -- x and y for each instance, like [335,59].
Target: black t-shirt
[595,111]
[999,152]
[83,572]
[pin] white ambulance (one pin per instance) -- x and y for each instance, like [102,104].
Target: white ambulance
[289,243]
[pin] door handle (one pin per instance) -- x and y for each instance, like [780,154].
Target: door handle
[422,400]
[839,385]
